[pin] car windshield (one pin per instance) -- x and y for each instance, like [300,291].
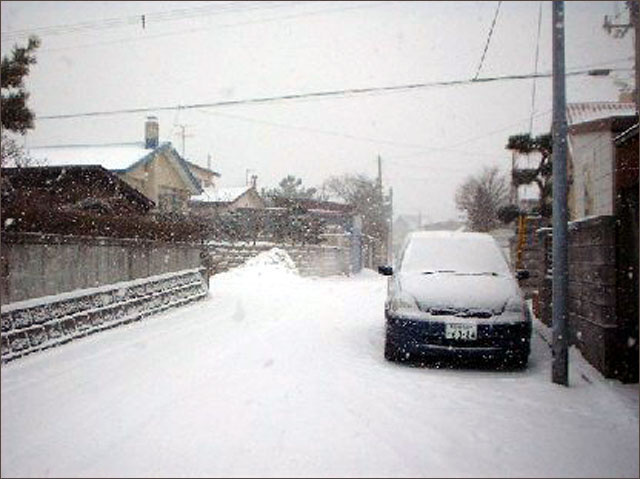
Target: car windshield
[450,253]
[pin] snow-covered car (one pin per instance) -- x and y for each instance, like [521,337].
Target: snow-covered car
[453,295]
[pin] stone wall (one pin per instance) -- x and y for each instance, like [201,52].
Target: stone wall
[38,324]
[597,325]
[34,265]
[311,260]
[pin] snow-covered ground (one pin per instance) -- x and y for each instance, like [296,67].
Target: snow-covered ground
[278,375]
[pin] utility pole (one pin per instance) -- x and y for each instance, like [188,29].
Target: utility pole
[559,366]
[390,233]
[381,205]
[634,14]
[380,175]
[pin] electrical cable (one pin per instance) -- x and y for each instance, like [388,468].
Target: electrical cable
[317,95]
[486,46]
[535,70]
[330,133]
[227,25]
[170,15]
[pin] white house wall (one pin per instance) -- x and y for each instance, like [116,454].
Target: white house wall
[592,155]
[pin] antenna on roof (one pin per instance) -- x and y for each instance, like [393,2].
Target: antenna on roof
[246,176]
[182,134]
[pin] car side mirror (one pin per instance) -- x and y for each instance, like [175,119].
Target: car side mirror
[522,274]
[385,270]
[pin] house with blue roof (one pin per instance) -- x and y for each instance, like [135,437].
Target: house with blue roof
[154,169]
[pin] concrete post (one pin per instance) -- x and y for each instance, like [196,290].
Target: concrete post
[559,368]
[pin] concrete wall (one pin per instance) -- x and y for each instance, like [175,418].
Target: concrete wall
[597,326]
[35,265]
[311,260]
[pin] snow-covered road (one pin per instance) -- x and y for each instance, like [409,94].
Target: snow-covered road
[278,375]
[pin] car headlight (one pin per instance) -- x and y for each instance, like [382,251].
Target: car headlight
[516,307]
[403,302]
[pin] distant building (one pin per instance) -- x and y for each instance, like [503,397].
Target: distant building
[205,176]
[216,200]
[155,169]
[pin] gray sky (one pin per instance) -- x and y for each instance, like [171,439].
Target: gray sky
[430,139]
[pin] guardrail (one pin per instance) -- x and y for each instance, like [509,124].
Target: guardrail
[41,323]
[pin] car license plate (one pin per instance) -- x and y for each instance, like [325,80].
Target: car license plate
[461,331]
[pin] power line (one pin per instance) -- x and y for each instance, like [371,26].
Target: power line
[468,140]
[317,95]
[87,145]
[227,25]
[533,90]
[423,148]
[162,16]
[508,127]
[486,46]
[331,133]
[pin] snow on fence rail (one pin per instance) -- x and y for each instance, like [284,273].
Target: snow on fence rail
[41,323]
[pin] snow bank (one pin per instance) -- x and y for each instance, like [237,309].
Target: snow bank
[276,260]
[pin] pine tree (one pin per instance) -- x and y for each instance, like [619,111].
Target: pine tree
[16,116]
[524,144]
[290,188]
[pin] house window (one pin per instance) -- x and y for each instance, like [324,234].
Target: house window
[170,199]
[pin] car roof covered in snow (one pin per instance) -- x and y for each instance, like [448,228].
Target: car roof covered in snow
[453,250]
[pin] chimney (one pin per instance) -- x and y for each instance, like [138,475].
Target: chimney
[151,133]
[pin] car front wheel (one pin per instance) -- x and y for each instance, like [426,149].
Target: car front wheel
[391,352]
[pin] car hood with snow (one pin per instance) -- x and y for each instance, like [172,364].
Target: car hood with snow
[455,293]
